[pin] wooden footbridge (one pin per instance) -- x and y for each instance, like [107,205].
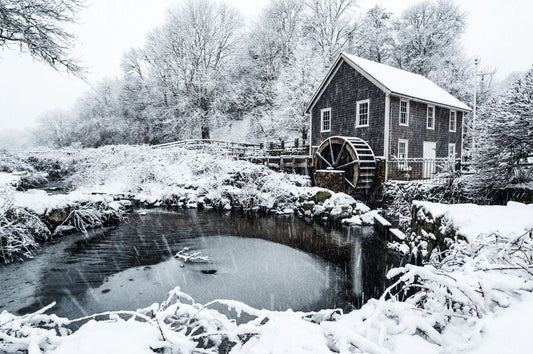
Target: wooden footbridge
[276,156]
[349,159]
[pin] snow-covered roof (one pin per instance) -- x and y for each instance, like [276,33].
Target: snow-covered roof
[397,82]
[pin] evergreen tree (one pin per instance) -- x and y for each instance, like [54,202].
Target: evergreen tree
[504,140]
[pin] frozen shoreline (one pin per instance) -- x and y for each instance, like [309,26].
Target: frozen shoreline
[465,301]
[108,180]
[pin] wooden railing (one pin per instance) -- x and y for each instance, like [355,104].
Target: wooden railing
[239,150]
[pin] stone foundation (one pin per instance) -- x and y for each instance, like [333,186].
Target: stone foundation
[330,179]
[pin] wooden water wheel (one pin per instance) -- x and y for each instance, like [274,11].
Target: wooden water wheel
[349,154]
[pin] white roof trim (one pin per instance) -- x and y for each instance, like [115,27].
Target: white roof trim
[447,101]
[366,75]
[325,82]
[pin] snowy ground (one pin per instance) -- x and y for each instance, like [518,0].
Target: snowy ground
[476,298]
[103,181]
[472,221]
[182,178]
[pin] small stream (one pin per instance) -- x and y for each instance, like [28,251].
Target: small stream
[267,262]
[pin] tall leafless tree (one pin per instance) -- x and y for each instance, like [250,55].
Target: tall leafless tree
[196,47]
[427,33]
[38,26]
[330,24]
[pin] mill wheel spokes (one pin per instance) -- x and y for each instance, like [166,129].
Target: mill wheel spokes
[351,155]
[336,154]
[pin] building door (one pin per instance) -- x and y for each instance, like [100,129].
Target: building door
[429,154]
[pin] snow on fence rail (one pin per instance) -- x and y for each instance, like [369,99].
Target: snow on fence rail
[239,150]
[232,148]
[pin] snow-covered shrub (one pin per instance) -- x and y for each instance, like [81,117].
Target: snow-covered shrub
[91,215]
[472,280]
[19,231]
[11,162]
[32,180]
[179,176]
[55,164]
[31,333]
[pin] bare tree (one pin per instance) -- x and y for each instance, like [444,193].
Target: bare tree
[53,129]
[374,39]
[427,33]
[274,36]
[198,44]
[330,25]
[37,26]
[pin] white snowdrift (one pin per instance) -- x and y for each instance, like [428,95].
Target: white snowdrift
[472,221]
[116,336]
[8,179]
[40,202]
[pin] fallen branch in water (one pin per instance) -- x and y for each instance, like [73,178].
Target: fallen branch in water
[195,257]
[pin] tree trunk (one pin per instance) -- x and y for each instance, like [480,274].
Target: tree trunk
[205,132]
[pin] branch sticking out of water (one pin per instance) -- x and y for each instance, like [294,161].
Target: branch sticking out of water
[195,257]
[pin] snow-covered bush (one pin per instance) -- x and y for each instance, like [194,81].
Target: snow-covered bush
[30,333]
[181,177]
[10,162]
[19,231]
[91,215]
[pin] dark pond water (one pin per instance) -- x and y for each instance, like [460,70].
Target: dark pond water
[266,262]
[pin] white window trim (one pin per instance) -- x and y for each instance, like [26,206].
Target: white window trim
[322,119]
[358,104]
[406,113]
[427,117]
[454,151]
[454,122]
[403,165]
[406,148]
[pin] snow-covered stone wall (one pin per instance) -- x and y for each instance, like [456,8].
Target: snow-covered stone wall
[442,224]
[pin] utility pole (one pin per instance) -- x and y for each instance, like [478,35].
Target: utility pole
[474,110]
[475,106]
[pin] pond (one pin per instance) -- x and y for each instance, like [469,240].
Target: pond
[267,262]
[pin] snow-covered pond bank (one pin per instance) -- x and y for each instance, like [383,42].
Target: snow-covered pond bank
[102,181]
[460,301]
[275,263]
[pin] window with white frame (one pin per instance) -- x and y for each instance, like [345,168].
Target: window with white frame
[403,147]
[362,113]
[451,151]
[325,120]
[404,112]
[430,121]
[453,121]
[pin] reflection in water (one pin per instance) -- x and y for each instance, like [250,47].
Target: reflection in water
[357,268]
[132,266]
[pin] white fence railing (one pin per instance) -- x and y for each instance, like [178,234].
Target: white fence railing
[421,169]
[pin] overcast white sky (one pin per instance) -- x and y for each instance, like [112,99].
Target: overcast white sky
[498,32]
